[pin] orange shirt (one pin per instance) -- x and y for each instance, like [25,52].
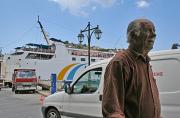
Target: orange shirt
[130,89]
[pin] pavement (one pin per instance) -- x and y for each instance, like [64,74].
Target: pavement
[23,105]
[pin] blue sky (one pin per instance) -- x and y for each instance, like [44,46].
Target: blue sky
[63,19]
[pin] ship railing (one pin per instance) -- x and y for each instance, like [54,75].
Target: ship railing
[39,50]
[93,54]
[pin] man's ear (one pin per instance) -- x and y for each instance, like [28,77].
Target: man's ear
[131,36]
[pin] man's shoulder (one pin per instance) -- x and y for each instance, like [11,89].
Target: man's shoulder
[125,57]
[121,59]
[122,55]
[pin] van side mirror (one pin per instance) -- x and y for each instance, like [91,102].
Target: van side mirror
[68,89]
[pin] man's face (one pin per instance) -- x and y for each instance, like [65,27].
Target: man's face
[148,43]
[146,38]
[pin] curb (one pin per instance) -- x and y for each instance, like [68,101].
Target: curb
[41,93]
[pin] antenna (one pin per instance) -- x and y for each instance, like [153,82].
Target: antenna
[44,33]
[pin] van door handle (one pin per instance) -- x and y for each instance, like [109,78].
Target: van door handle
[100,97]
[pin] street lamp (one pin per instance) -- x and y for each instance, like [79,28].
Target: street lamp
[97,32]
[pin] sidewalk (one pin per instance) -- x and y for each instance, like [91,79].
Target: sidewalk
[44,93]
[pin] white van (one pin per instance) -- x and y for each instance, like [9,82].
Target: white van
[85,99]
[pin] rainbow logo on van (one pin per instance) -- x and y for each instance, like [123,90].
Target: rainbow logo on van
[70,69]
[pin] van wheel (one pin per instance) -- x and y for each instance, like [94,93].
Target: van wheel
[53,113]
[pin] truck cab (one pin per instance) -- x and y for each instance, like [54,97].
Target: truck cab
[83,97]
[24,80]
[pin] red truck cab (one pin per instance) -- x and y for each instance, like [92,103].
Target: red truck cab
[24,80]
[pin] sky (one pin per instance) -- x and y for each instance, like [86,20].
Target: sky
[63,19]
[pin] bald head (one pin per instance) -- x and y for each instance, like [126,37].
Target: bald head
[140,27]
[141,35]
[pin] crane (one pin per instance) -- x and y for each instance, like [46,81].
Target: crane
[44,33]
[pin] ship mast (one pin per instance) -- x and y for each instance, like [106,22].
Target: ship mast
[44,33]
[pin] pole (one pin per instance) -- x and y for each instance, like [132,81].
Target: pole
[53,83]
[89,41]
[89,34]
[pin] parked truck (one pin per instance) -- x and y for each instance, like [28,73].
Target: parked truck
[24,80]
[83,97]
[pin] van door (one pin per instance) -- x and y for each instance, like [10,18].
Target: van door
[167,73]
[85,100]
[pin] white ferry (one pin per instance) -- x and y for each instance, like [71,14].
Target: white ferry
[58,58]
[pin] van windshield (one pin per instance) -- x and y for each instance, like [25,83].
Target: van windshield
[89,82]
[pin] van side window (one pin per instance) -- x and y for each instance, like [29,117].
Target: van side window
[88,82]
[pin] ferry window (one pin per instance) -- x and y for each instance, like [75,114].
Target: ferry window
[73,58]
[17,53]
[89,82]
[39,56]
[83,59]
[93,60]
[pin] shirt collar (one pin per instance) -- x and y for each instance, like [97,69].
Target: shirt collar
[137,55]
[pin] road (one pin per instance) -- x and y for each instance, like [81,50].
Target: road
[19,105]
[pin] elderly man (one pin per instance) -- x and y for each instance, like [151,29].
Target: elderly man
[130,89]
